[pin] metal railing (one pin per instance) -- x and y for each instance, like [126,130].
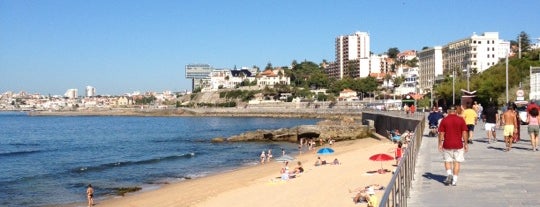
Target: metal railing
[398,189]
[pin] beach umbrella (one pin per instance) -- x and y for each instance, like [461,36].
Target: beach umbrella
[325,151]
[285,158]
[381,157]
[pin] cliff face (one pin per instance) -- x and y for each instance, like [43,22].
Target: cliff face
[345,129]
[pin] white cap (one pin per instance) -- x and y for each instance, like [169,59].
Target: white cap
[370,191]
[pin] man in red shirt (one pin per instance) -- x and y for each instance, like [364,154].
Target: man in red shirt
[453,140]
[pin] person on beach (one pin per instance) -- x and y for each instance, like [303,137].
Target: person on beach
[282,152]
[367,195]
[263,157]
[471,118]
[510,126]
[399,152]
[453,143]
[336,162]
[533,128]
[298,169]
[490,117]
[90,195]
[269,155]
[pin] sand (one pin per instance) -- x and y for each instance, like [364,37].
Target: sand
[326,185]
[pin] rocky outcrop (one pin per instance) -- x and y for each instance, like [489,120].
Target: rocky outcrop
[345,129]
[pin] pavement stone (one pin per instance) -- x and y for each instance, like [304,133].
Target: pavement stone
[488,177]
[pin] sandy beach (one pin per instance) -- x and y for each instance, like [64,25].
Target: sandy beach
[260,185]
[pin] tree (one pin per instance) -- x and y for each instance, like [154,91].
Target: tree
[268,66]
[393,52]
[525,41]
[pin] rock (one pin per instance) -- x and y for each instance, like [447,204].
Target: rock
[346,129]
[218,139]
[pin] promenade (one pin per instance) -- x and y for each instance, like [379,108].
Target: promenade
[489,176]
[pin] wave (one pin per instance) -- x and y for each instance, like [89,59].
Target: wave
[8,154]
[130,163]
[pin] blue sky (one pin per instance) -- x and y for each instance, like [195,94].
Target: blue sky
[49,46]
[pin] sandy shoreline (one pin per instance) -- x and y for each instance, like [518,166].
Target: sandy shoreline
[259,186]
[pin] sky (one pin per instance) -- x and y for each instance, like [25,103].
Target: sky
[122,46]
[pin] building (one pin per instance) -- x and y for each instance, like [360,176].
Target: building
[71,93]
[90,91]
[352,56]
[199,75]
[430,63]
[473,54]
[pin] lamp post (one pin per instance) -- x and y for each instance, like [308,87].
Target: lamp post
[506,76]
[454,87]
[431,94]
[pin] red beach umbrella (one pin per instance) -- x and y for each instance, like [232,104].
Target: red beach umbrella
[381,157]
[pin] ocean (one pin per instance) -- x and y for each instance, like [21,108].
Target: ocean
[49,160]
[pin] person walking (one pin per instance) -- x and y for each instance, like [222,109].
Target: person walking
[90,195]
[510,126]
[453,144]
[471,118]
[533,127]
[490,117]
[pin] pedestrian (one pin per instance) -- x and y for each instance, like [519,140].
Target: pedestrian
[282,152]
[490,117]
[453,143]
[510,126]
[263,157]
[471,118]
[533,127]
[399,152]
[269,155]
[90,195]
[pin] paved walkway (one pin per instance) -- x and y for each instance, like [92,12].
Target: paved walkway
[489,176]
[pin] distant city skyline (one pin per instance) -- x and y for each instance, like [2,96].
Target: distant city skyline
[119,47]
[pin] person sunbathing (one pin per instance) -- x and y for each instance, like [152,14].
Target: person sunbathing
[298,169]
[367,194]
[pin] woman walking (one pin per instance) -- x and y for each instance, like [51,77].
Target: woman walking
[533,127]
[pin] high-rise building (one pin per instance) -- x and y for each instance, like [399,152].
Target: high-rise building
[430,63]
[199,75]
[90,91]
[71,93]
[352,56]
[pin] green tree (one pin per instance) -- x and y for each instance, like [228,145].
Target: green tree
[525,41]
[393,52]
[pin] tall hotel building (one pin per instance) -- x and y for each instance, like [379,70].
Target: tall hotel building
[474,54]
[199,75]
[90,91]
[352,56]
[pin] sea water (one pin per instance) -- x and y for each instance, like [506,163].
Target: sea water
[49,160]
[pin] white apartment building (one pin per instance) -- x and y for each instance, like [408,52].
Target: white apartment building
[476,53]
[352,56]
[90,91]
[430,63]
[71,93]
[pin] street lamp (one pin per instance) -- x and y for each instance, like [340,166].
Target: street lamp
[506,76]
[454,87]
[431,95]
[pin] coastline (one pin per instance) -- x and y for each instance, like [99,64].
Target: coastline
[271,112]
[328,184]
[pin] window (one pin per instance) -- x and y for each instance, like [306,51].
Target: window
[487,55]
[479,42]
[493,55]
[493,41]
[493,49]
[488,48]
[474,56]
